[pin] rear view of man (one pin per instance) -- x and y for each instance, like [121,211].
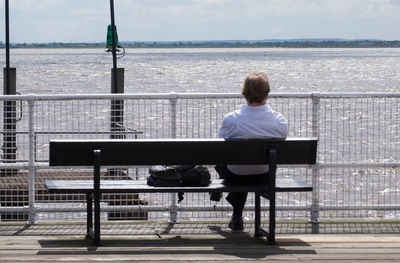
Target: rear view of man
[253,120]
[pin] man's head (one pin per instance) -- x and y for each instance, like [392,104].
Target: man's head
[256,88]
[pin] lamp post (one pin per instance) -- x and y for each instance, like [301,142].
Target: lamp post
[117,83]
[117,86]
[7,16]
[114,44]
[9,146]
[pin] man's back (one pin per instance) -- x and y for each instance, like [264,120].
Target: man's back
[253,122]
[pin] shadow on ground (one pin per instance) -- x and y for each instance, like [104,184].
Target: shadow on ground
[239,245]
[194,228]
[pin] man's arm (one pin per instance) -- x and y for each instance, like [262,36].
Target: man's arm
[282,127]
[227,129]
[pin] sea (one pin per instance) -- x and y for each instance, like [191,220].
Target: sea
[222,70]
[204,70]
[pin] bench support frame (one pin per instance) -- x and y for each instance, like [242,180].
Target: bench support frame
[95,233]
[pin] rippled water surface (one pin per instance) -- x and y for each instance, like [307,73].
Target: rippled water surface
[56,71]
[351,130]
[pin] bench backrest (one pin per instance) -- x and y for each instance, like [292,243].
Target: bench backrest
[182,151]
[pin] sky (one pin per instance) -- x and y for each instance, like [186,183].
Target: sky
[34,21]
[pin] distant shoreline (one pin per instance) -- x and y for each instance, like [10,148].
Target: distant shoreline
[313,43]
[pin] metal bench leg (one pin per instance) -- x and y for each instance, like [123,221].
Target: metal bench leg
[89,215]
[97,196]
[257,214]
[272,193]
[272,223]
[258,230]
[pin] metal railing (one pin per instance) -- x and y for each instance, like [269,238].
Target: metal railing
[357,173]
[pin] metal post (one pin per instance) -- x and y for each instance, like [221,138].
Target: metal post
[314,217]
[173,98]
[114,48]
[117,106]
[7,17]
[96,195]
[89,216]
[257,214]
[117,85]
[117,128]
[173,212]
[9,115]
[272,156]
[9,146]
[32,170]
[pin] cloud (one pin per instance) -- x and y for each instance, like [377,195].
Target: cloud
[319,8]
[76,20]
[34,5]
[57,20]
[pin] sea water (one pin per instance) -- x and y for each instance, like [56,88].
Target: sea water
[87,71]
[203,70]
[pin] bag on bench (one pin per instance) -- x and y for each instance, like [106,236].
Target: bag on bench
[183,175]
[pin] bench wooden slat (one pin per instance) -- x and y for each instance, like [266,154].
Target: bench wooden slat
[131,186]
[181,151]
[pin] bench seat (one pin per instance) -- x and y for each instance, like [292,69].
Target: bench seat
[131,186]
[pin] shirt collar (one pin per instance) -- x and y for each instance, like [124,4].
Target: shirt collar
[246,107]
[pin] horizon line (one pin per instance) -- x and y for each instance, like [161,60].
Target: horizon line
[272,40]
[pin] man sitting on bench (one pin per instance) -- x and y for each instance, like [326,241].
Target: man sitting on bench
[252,121]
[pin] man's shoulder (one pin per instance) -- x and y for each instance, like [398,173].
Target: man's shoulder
[232,115]
[229,118]
[274,113]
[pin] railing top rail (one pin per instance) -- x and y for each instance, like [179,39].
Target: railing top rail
[192,96]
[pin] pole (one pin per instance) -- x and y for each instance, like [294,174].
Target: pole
[173,210]
[117,78]
[314,219]
[7,88]
[117,86]
[9,146]
[32,216]
[114,48]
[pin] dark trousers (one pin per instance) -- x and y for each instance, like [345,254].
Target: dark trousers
[238,200]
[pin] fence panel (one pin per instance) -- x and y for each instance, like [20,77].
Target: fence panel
[356,175]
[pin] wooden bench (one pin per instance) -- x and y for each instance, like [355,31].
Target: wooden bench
[109,153]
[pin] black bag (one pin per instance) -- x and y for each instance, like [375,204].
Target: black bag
[183,175]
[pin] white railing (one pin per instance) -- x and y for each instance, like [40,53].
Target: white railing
[357,174]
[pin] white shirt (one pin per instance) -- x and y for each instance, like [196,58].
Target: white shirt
[253,122]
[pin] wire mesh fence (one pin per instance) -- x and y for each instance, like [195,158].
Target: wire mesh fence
[357,174]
